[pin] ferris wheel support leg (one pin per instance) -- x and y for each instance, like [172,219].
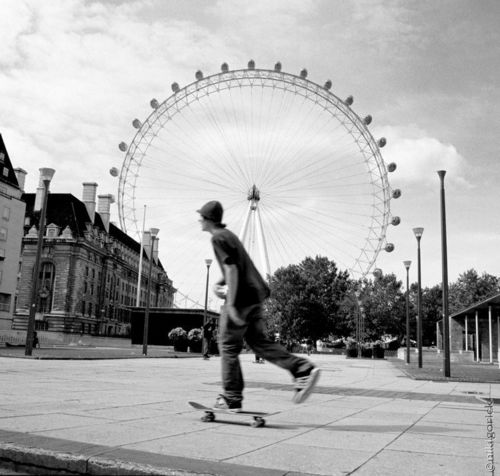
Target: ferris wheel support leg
[263,246]
[244,229]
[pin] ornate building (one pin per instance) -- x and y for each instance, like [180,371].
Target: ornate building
[11,231]
[89,269]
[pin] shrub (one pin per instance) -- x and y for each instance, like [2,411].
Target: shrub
[195,335]
[178,334]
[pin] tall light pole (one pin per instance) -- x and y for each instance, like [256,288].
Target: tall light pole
[208,262]
[153,232]
[407,266]
[418,234]
[444,251]
[46,175]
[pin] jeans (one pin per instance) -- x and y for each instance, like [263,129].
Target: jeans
[231,338]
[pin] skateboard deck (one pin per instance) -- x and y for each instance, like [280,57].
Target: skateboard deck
[209,416]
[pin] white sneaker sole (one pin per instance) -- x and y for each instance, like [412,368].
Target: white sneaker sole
[301,396]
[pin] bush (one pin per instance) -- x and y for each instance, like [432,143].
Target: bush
[366,351]
[178,336]
[195,335]
[195,338]
[351,348]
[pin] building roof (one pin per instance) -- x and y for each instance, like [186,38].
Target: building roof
[64,209]
[493,301]
[7,174]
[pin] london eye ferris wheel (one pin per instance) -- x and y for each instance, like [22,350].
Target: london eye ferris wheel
[297,170]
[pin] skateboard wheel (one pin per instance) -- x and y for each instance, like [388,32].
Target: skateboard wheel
[258,422]
[208,417]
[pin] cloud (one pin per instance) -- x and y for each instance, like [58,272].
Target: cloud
[418,156]
[74,74]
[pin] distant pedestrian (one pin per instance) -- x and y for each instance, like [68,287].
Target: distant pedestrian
[242,318]
[309,346]
[208,331]
[258,359]
[36,342]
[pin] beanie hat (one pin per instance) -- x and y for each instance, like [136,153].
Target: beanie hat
[212,211]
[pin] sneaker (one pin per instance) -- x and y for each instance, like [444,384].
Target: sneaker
[222,403]
[304,384]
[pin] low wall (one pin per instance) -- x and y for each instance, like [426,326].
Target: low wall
[435,355]
[47,338]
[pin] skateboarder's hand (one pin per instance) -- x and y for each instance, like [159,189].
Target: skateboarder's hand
[234,315]
[220,290]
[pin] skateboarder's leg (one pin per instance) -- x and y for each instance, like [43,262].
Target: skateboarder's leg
[231,344]
[272,351]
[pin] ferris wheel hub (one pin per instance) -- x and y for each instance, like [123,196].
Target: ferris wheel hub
[253,194]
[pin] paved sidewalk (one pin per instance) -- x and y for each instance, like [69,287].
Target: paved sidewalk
[131,417]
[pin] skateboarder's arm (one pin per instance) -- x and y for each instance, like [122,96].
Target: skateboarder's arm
[231,275]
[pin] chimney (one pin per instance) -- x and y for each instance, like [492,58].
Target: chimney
[103,208]
[155,251]
[39,195]
[21,177]
[146,243]
[88,198]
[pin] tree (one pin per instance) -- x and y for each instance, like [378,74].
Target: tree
[384,305]
[432,312]
[305,299]
[471,288]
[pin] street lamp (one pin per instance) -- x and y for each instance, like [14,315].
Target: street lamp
[407,266]
[46,175]
[208,262]
[446,322]
[418,234]
[153,232]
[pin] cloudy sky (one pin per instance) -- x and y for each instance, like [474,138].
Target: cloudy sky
[75,73]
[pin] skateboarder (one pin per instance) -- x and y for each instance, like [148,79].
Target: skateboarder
[244,291]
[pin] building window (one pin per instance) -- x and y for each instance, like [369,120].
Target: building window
[47,276]
[5,302]
[6,213]
[5,172]
[2,254]
[83,308]
[3,233]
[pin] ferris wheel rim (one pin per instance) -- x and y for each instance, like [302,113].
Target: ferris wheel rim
[183,97]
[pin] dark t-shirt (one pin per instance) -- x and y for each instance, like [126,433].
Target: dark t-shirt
[228,249]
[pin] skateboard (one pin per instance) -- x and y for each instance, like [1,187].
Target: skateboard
[209,416]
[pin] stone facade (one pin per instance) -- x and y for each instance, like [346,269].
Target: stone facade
[12,210]
[89,269]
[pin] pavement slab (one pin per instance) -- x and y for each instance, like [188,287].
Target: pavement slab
[130,416]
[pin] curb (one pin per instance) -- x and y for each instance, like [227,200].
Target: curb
[41,461]
[43,455]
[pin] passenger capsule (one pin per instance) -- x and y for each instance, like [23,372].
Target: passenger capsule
[396,193]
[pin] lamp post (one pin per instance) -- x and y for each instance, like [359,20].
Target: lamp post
[46,175]
[444,251]
[153,232]
[208,262]
[418,234]
[407,266]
